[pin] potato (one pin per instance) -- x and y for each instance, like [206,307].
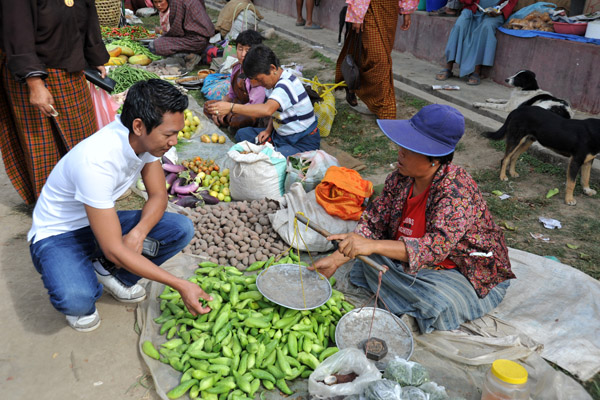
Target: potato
[245,260]
[264,221]
[254,244]
[258,228]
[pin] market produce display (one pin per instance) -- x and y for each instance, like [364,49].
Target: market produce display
[134,32]
[136,47]
[245,341]
[126,76]
[192,122]
[214,138]
[237,234]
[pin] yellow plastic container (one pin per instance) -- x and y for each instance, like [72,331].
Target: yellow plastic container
[506,380]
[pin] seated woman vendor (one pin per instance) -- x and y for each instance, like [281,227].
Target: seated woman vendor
[242,91]
[292,127]
[185,25]
[448,261]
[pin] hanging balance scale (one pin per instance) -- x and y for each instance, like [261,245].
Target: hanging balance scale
[380,334]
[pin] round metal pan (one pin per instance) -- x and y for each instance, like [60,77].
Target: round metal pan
[353,329]
[282,285]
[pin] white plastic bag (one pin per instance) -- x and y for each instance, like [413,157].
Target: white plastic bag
[317,163]
[256,171]
[245,20]
[343,362]
[297,200]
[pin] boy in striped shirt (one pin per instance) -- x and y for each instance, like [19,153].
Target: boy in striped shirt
[292,127]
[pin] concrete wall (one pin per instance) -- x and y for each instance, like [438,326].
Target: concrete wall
[565,68]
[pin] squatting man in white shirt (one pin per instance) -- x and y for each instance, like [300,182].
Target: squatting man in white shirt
[80,244]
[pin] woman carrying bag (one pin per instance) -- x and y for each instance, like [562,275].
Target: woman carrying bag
[376,21]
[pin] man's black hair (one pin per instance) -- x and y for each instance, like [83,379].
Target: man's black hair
[150,100]
[443,159]
[249,37]
[259,60]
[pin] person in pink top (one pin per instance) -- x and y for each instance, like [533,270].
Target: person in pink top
[377,20]
[241,91]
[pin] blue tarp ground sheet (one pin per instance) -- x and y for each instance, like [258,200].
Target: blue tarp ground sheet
[551,35]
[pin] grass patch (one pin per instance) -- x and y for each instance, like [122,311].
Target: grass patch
[326,61]
[283,48]
[361,138]
[151,22]
[415,102]
[535,164]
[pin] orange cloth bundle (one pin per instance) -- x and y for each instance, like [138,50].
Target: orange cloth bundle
[342,193]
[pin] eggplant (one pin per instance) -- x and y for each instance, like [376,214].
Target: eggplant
[174,168]
[167,160]
[185,175]
[178,182]
[188,201]
[207,198]
[187,189]
[170,178]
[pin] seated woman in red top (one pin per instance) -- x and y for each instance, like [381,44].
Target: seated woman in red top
[448,261]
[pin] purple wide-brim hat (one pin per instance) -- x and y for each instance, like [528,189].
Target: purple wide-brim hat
[433,131]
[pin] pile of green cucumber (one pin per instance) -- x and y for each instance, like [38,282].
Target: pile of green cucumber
[245,341]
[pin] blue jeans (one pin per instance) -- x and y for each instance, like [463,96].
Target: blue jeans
[65,260]
[286,145]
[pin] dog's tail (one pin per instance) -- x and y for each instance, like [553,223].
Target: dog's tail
[500,133]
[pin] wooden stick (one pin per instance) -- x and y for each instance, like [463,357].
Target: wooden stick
[324,233]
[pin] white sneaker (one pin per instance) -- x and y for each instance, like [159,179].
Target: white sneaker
[84,323]
[124,294]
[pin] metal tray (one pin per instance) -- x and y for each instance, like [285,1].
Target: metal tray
[281,284]
[353,328]
[191,84]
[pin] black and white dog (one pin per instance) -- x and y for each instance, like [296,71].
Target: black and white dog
[343,23]
[527,92]
[578,139]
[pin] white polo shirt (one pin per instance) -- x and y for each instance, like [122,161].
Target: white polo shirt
[95,172]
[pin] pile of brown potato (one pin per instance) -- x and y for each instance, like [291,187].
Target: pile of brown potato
[237,233]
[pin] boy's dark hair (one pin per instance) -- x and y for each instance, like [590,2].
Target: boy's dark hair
[249,37]
[150,100]
[443,159]
[259,60]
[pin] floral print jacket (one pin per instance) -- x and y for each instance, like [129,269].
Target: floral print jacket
[458,224]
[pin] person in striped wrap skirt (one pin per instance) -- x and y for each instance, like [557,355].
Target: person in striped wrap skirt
[44,47]
[448,261]
[376,21]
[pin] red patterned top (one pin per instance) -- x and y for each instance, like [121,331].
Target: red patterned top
[458,225]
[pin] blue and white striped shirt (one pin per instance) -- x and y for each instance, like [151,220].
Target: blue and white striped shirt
[295,113]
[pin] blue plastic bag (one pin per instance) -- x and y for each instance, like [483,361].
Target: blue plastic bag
[216,86]
[540,7]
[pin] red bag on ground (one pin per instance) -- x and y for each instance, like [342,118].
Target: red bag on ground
[104,106]
[342,193]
